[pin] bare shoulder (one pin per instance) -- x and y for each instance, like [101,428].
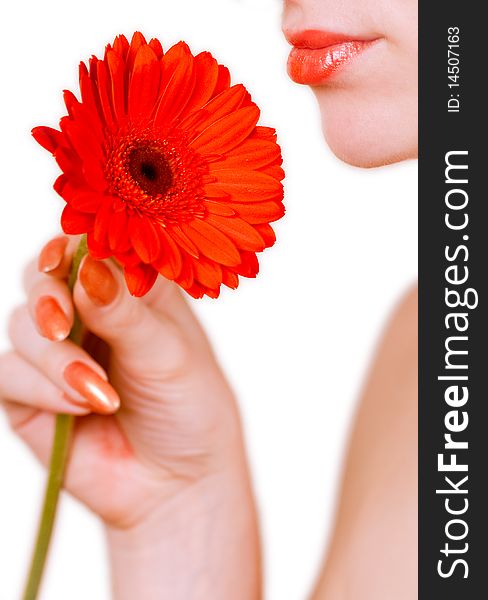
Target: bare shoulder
[373,551]
[400,341]
[394,371]
[391,391]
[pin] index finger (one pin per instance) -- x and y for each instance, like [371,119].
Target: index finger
[54,259]
[56,256]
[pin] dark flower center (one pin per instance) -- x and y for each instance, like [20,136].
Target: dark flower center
[156,173]
[151,171]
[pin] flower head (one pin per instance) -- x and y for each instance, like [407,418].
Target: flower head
[165,168]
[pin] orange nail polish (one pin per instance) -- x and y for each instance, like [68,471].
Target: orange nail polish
[52,254]
[98,281]
[51,320]
[96,391]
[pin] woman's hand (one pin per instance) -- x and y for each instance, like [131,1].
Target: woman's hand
[158,452]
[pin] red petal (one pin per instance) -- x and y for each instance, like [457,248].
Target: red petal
[227,132]
[70,102]
[223,81]
[86,201]
[217,208]
[170,61]
[68,187]
[144,83]
[247,100]
[48,138]
[94,175]
[68,161]
[259,212]
[93,68]
[74,222]
[213,191]
[127,259]
[267,233]
[84,117]
[170,262]
[251,154]
[136,42]
[177,82]
[60,185]
[104,92]
[121,46]
[264,133]
[116,67]
[206,75]
[211,242]
[208,273]
[118,232]
[186,278]
[225,103]
[229,278]
[212,293]
[156,46]
[84,142]
[246,186]
[274,171]
[97,251]
[102,222]
[195,290]
[182,240]
[82,73]
[249,266]
[89,96]
[144,236]
[244,236]
[140,278]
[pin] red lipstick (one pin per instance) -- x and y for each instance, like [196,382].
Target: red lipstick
[318,55]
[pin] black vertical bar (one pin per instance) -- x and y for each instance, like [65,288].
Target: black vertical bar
[452,119]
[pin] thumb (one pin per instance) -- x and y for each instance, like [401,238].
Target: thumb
[133,330]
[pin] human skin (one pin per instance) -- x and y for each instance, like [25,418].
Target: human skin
[167,473]
[369,108]
[373,550]
[369,118]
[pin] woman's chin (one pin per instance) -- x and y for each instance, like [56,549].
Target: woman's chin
[369,134]
[364,148]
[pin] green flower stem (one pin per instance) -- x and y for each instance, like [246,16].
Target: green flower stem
[58,462]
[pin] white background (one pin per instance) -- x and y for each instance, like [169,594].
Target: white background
[296,342]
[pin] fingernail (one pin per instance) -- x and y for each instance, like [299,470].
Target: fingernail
[51,319]
[99,394]
[52,254]
[98,281]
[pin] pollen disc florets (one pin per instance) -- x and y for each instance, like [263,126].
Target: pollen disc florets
[158,174]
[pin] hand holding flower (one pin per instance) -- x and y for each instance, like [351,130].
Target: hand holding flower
[167,473]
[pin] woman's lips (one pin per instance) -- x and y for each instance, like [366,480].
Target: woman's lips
[318,55]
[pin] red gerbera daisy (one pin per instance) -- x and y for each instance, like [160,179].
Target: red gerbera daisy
[165,168]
